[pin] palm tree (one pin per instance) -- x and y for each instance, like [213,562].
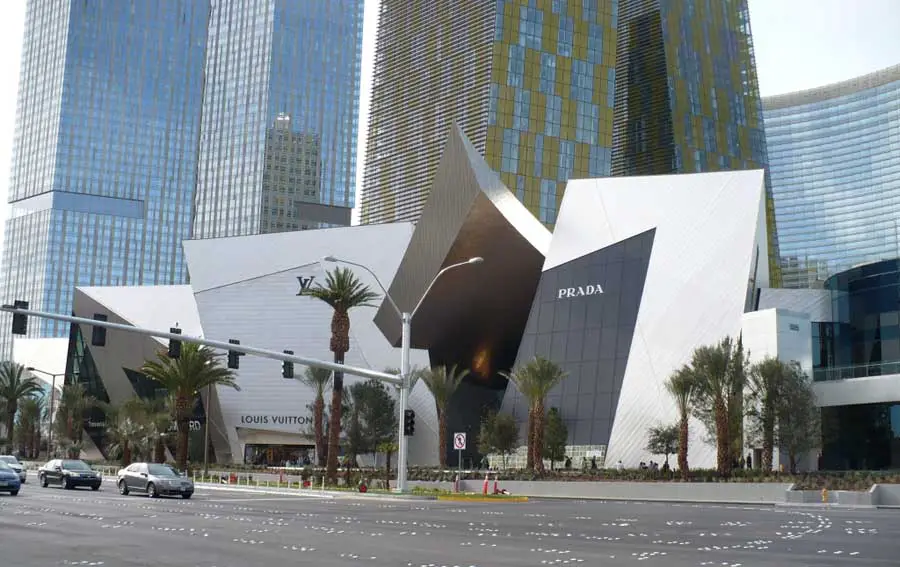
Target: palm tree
[15,384]
[183,378]
[342,292]
[712,369]
[682,386]
[443,384]
[158,412]
[535,380]
[318,379]
[73,403]
[28,431]
[126,429]
[766,380]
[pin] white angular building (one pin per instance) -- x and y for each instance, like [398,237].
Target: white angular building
[638,273]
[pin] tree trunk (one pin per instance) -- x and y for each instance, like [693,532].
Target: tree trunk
[160,451]
[529,441]
[683,447]
[11,408]
[387,465]
[442,439]
[723,438]
[539,437]
[319,429]
[126,454]
[182,407]
[334,426]
[768,447]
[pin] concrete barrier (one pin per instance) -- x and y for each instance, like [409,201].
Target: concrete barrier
[887,495]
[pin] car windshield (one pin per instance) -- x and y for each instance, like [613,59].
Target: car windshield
[162,470]
[4,466]
[75,466]
[9,459]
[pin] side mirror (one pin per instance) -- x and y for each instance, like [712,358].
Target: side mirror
[57,469]
[143,474]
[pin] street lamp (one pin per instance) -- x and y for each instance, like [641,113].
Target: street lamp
[53,377]
[406,320]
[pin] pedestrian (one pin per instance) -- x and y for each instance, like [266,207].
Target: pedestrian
[594,463]
[749,461]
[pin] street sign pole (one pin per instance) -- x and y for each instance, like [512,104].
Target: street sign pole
[459,443]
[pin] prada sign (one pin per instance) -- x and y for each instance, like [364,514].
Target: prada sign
[305,283]
[579,291]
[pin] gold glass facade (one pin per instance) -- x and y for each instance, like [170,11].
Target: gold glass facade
[551,97]
[530,82]
[687,98]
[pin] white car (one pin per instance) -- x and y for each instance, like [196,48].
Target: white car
[15,465]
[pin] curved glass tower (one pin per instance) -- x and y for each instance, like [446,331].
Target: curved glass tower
[834,161]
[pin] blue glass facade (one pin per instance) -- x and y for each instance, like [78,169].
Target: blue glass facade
[834,160]
[269,60]
[105,150]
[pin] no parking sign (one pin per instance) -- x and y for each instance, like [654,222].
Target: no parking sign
[459,441]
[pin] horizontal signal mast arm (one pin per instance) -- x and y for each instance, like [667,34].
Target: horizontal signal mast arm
[265,353]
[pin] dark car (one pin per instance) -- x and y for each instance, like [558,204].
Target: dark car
[154,479]
[69,474]
[9,479]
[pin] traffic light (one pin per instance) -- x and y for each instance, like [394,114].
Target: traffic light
[98,334]
[234,357]
[174,344]
[20,321]
[287,367]
[409,423]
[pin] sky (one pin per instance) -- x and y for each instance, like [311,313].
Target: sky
[799,44]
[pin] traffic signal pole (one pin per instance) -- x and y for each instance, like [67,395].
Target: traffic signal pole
[261,352]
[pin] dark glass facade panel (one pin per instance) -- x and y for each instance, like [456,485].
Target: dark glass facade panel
[861,437]
[587,333]
[866,333]
[80,369]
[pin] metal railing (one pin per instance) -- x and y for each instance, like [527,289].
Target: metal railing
[856,371]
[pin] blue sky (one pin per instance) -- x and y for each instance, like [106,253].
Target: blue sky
[799,44]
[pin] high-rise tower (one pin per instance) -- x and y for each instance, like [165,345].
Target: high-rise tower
[271,59]
[687,98]
[530,82]
[104,156]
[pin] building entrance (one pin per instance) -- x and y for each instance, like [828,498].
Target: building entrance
[279,455]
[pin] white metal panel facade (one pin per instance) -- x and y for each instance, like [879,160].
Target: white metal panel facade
[708,236]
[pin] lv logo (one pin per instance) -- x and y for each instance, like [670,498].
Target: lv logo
[305,283]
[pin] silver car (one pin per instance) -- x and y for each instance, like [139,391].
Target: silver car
[154,479]
[15,465]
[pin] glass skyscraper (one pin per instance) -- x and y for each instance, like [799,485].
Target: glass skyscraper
[687,98]
[104,156]
[834,158]
[142,123]
[531,83]
[297,61]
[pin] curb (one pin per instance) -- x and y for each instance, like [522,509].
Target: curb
[327,494]
[659,500]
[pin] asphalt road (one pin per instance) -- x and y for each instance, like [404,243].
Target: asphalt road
[51,527]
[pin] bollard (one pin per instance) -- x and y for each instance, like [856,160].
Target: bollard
[456,484]
[496,488]
[824,496]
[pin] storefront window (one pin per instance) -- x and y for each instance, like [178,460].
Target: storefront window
[861,437]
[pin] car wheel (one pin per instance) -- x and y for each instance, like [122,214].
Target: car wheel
[151,491]
[95,487]
[186,496]
[66,485]
[13,492]
[43,481]
[123,488]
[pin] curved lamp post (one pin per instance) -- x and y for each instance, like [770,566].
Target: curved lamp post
[406,320]
[53,377]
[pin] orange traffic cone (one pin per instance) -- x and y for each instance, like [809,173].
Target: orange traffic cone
[496,488]
[484,488]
